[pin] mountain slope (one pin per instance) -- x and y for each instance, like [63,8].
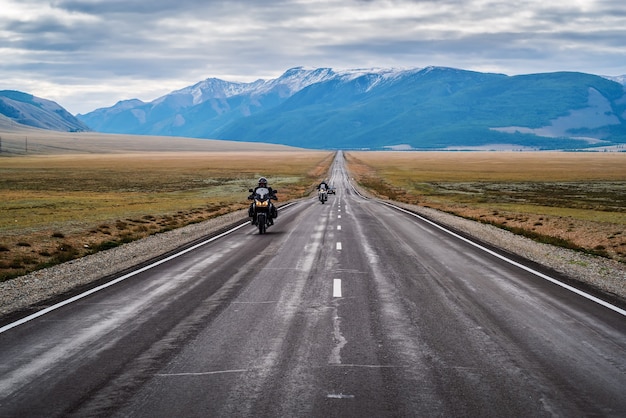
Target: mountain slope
[29,110]
[425,108]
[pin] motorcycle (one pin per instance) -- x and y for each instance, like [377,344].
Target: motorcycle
[322,195]
[263,211]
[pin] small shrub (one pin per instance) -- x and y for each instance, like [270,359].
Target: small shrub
[58,235]
[29,260]
[16,264]
[4,248]
[106,245]
[599,250]
[23,244]
[65,252]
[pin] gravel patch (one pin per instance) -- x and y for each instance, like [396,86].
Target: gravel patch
[22,293]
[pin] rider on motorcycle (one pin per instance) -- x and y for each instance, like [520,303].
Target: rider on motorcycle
[322,185]
[273,211]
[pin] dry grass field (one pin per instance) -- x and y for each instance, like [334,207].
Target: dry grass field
[575,200]
[58,204]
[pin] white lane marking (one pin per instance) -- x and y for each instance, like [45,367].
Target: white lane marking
[336,288]
[338,216]
[339,246]
[254,303]
[516,264]
[370,366]
[338,227]
[339,396]
[204,373]
[118,280]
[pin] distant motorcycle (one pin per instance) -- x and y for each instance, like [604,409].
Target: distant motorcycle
[322,195]
[262,208]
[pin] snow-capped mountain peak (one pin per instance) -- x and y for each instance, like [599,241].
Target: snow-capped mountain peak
[290,82]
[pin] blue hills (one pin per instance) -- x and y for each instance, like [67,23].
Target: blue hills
[428,108]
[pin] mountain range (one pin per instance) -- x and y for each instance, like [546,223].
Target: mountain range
[427,108]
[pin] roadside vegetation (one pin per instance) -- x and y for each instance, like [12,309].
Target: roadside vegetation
[573,200]
[55,208]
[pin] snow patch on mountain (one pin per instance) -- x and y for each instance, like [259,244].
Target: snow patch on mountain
[289,83]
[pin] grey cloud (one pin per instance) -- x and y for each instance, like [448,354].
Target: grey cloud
[149,8]
[107,7]
[98,42]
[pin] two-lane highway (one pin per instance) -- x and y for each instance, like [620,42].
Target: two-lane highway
[351,308]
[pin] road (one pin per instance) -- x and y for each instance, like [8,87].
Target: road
[351,308]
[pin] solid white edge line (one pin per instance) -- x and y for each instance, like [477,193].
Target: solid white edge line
[122,278]
[508,260]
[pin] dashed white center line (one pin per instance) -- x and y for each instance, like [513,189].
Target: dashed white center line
[338,216]
[339,396]
[336,288]
[339,246]
[338,227]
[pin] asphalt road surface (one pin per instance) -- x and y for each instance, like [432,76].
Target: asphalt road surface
[351,308]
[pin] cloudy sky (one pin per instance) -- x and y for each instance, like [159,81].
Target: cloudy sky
[86,54]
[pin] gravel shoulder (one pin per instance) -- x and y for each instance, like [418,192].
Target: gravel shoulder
[35,290]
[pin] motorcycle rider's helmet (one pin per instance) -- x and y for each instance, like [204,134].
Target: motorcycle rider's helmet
[262,182]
